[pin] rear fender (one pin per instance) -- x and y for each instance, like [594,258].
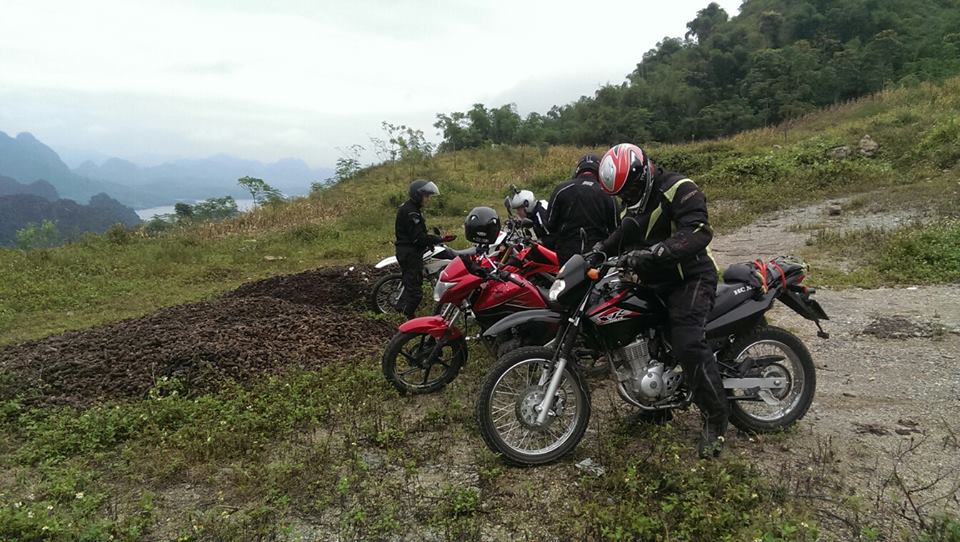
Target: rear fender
[540,316]
[744,316]
[804,306]
[435,326]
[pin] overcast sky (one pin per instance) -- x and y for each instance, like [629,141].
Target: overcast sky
[149,81]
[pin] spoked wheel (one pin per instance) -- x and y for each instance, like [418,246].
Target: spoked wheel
[508,408]
[385,294]
[762,411]
[416,363]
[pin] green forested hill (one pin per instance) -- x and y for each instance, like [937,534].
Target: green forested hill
[776,60]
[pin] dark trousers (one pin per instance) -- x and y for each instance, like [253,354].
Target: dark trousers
[411,269]
[566,248]
[689,303]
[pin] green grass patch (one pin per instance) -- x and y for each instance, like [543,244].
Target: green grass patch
[337,453]
[912,254]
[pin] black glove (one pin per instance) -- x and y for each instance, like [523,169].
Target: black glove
[598,247]
[663,253]
[637,260]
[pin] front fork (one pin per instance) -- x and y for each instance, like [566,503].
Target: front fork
[567,342]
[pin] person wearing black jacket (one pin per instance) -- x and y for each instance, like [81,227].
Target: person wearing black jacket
[412,241]
[580,203]
[665,238]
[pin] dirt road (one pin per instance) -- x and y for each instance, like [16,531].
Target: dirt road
[885,423]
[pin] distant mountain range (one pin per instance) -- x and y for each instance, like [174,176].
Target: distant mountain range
[10,187]
[200,179]
[22,204]
[26,159]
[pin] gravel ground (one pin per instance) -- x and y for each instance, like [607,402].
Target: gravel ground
[886,417]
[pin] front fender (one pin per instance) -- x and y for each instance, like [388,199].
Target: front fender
[435,326]
[392,260]
[545,316]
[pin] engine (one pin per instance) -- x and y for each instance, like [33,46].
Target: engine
[642,379]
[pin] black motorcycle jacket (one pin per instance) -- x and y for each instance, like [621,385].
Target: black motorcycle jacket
[580,203]
[675,217]
[411,229]
[539,218]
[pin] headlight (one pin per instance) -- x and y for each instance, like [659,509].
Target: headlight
[556,290]
[440,289]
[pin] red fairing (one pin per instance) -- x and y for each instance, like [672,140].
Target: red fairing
[465,282]
[609,305]
[538,259]
[496,293]
[435,326]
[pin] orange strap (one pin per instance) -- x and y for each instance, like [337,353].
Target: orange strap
[762,270]
[783,276]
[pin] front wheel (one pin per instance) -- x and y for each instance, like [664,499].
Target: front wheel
[507,408]
[386,293]
[418,363]
[770,410]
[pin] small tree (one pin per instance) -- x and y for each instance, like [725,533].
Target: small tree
[216,209]
[183,212]
[347,166]
[43,235]
[260,191]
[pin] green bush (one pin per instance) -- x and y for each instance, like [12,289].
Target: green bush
[118,234]
[927,254]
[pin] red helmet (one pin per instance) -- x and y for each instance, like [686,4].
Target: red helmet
[626,166]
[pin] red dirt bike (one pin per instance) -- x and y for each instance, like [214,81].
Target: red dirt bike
[427,352]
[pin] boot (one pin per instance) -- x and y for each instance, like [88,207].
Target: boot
[711,440]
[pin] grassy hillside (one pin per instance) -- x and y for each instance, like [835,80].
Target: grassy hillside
[100,279]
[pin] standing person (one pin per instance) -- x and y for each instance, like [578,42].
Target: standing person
[665,238]
[412,241]
[526,205]
[580,203]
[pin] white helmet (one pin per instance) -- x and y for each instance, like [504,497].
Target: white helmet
[524,199]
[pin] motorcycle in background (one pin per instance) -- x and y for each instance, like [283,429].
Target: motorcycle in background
[387,290]
[427,352]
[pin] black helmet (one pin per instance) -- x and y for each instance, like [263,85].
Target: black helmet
[482,225]
[420,187]
[587,163]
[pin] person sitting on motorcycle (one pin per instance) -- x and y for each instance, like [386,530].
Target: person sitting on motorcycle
[526,205]
[580,203]
[412,241]
[664,238]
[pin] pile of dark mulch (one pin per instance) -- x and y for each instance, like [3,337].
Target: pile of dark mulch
[900,327]
[327,286]
[200,344]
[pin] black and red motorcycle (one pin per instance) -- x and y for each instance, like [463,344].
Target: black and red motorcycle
[534,404]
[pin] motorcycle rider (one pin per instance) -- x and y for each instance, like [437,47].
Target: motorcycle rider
[665,238]
[580,203]
[526,205]
[412,241]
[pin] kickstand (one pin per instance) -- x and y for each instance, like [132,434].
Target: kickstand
[821,333]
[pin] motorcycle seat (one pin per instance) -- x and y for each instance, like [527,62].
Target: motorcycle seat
[730,295]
